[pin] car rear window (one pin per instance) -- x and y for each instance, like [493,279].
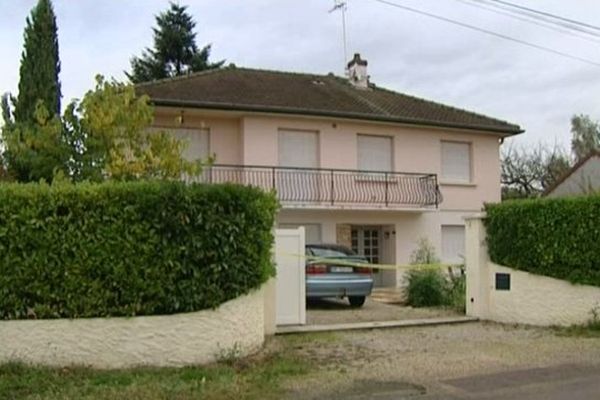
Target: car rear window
[331,252]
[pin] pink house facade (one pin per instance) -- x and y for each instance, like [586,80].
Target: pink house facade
[353,163]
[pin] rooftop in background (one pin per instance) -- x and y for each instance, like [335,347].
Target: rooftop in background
[245,89]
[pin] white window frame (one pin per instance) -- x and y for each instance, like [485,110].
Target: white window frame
[455,179]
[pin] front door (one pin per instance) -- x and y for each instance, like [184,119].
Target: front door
[366,241]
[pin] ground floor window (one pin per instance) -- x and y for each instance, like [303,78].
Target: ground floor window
[453,244]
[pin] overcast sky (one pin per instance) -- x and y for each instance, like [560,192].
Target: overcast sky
[406,52]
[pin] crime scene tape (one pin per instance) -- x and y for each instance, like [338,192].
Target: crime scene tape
[346,263]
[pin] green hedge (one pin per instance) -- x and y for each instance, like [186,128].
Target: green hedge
[553,237]
[122,249]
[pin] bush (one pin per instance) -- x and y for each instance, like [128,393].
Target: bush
[427,287]
[553,237]
[123,249]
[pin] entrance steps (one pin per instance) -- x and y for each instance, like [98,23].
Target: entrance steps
[388,295]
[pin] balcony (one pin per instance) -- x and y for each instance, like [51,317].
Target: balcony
[334,188]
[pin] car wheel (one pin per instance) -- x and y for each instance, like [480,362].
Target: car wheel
[356,301]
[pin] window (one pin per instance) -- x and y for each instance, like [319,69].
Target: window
[312,232]
[453,243]
[374,153]
[298,148]
[196,141]
[456,162]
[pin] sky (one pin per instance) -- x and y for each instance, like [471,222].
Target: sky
[406,52]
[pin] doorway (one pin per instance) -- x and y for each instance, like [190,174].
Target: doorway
[366,241]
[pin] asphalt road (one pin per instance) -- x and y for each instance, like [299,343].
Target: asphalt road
[563,382]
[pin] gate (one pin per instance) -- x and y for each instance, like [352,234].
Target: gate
[290,281]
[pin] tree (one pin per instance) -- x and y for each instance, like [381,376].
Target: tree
[527,173]
[175,51]
[586,136]
[40,65]
[108,135]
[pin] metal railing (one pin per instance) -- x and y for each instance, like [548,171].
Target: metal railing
[332,186]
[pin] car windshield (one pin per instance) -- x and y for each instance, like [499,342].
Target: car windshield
[332,252]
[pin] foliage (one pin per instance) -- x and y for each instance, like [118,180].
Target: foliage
[175,51]
[553,237]
[589,329]
[585,136]
[35,151]
[424,253]
[527,173]
[107,135]
[130,248]
[427,287]
[40,65]
[456,295]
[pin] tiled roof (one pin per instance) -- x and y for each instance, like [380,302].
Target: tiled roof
[246,89]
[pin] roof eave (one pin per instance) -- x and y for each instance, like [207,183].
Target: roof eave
[509,131]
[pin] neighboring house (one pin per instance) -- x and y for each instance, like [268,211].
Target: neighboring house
[352,162]
[583,178]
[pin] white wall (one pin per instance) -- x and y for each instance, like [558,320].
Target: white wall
[532,299]
[170,340]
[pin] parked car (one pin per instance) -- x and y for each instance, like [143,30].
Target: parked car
[329,275]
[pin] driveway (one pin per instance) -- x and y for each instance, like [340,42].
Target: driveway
[467,361]
[336,311]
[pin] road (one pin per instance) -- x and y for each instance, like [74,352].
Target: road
[563,382]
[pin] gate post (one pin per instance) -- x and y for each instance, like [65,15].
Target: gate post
[477,267]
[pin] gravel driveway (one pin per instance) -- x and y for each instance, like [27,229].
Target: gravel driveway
[420,357]
[335,311]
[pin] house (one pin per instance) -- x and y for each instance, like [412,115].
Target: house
[583,178]
[353,163]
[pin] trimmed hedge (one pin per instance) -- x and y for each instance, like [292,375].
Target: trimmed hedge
[136,248]
[559,238]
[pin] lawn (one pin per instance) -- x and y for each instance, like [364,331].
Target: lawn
[258,378]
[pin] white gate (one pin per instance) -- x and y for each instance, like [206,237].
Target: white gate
[290,282]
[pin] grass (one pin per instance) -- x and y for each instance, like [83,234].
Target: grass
[245,379]
[589,330]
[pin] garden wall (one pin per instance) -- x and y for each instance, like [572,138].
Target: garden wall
[237,327]
[499,293]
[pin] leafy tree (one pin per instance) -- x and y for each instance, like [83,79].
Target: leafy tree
[586,136]
[40,65]
[108,137]
[527,173]
[175,51]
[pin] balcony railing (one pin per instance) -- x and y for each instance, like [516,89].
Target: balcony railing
[333,187]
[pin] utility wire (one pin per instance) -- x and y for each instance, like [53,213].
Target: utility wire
[527,20]
[491,33]
[547,14]
[540,17]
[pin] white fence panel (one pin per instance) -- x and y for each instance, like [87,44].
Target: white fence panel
[290,282]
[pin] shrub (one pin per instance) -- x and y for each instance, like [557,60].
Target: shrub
[122,249]
[553,237]
[424,253]
[427,287]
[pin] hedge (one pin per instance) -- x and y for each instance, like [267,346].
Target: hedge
[559,238]
[124,249]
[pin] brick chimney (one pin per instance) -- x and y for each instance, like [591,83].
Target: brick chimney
[357,72]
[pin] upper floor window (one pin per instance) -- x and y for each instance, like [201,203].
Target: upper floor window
[298,148]
[456,162]
[196,141]
[375,153]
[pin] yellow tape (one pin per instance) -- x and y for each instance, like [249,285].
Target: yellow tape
[343,262]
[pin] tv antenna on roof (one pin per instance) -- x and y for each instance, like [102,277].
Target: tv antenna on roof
[342,5]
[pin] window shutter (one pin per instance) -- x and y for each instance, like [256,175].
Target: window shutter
[298,149]
[196,141]
[456,162]
[374,153]
[453,243]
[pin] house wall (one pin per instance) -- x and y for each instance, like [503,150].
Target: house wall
[584,180]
